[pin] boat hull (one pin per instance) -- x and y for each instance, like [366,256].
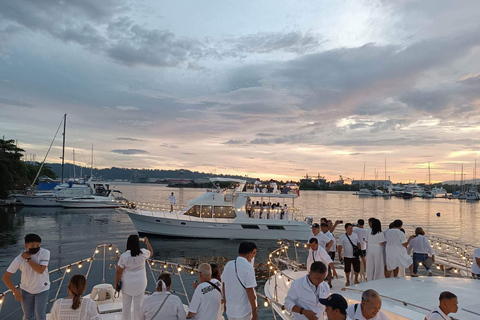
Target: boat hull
[89,205]
[38,201]
[238,229]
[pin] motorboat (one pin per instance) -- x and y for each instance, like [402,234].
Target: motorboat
[102,199]
[472,194]
[225,214]
[377,193]
[439,191]
[364,192]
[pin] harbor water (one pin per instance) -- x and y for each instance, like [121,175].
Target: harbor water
[73,234]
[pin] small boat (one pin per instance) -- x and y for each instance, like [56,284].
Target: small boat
[407,194]
[222,214]
[377,193]
[102,199]
[364,192]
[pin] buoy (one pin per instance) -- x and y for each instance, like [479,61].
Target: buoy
[438,214]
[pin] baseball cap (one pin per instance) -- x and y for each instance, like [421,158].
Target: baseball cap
[336,301]
[315,225]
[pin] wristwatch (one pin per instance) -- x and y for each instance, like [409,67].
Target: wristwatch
[301,310]
[27,259]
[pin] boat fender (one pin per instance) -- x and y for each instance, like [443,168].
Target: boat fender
[438,214]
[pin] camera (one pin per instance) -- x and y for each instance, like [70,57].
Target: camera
[341,221]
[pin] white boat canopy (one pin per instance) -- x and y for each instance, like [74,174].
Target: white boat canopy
[227,180]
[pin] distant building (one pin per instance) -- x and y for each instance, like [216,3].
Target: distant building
[373,183]
[201,180]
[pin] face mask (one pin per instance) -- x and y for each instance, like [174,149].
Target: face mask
[33,250]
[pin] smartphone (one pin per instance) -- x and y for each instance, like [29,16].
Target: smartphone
[341,221]
[141,239]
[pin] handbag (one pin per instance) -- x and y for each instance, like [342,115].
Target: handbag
[357,253]
[118,288]
[428,262]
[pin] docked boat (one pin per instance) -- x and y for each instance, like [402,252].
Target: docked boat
[223,214]
[472,194]
[102,199]
[364,192]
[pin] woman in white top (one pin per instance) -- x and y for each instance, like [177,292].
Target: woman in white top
[396,251]
[131,269]
[74,307]
[375,248]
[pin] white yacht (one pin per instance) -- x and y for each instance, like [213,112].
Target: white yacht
[102,199]
[364,192]
[439,191]
[226,215]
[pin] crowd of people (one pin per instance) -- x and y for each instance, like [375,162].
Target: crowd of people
[233,290]
[272,186]
[267,210]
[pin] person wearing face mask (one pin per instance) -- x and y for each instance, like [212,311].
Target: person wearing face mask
[369,308]
[239,284]
[35,280]
[448,304]
[303,297]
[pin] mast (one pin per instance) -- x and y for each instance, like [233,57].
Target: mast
[385,187]
[461,181]
[63,146]
[91,164]
[429,181]
[73,164]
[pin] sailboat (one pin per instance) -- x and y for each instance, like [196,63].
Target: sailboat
[472,193]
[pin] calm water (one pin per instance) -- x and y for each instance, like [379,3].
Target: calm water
[72,234]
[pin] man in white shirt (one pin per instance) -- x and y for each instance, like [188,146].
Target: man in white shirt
[369,308]
[239,284]
[362,237]
[347,241]
[258,185]
[448,304]
[326,231]
[35,280]
[304,294]
[316,253]
[421,248]
[172,200]
[336,307]
[207,296]
[162,305]
[323,240]
[476,264]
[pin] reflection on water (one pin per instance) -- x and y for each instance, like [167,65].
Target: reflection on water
[72,234]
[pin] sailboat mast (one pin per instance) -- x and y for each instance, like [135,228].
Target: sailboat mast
[385,187]
[91,164]
[73,164]
[63,146]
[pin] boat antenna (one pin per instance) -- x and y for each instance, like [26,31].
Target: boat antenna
[63,145]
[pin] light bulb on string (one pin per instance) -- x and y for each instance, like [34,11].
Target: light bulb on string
[265,303]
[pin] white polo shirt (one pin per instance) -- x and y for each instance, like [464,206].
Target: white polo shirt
[334,244]
[437,314]
[318,255]
[322,239]
[362,236]
[238,305]
[172,309]
[347,246]
[475,266]
[206,301]
[31,281]
[304,294]
[357,315]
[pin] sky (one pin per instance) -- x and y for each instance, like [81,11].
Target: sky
[269,89]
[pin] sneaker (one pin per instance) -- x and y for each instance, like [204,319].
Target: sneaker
[430,273]
[330,284]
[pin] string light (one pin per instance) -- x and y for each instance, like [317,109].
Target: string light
[79,265]
[165,266]
[97,251]
[110,247]
[179,268]
[283,309]
[265,303]
[68,269]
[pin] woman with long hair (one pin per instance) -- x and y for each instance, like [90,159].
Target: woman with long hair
[131,269]
[396,250]
[375,252]
[217,275]
[74,307]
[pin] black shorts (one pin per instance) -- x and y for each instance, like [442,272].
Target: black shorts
[364,252]
[332,255]
[348,262]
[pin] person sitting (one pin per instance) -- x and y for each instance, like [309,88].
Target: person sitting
[448,304]
[421,248]
[336,307]
[74,307]
[207,297]
[286,188]
[369,308]
[304,294]
[162,305]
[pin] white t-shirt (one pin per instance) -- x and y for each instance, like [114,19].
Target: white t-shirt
[172,199]
[437,314]
[238,305]
[206,300]
[420,244]
[475,266]
[347,246]
[332,237]
[304,294]
[172,309]
[359,316]
[31,281]
[362,236]
[322,239]
[134,276]
[62,310]
[375,240]
[318,255]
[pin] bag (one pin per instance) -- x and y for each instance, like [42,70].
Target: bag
[428,262]
[357,253]
[118,288]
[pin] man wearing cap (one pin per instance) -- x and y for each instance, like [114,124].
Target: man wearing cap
[316,253]
[369,308]
[304,294]
[323,240]
[336,307]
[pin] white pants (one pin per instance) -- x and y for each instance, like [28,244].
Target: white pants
[127,306]
[247,317]
[375,263]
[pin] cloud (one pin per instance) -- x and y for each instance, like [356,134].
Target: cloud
[127,108]
[15,103]
[171,146]
[130,139]
[129,151]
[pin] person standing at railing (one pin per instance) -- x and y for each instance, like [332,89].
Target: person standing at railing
[171,198]
[131,270]
[35,279]
[304,295]
[258,185]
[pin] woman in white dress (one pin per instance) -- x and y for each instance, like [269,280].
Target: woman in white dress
[131,269]
[375,248]
[74,307]
[396,251]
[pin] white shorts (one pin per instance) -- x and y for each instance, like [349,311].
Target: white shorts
[247,317]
